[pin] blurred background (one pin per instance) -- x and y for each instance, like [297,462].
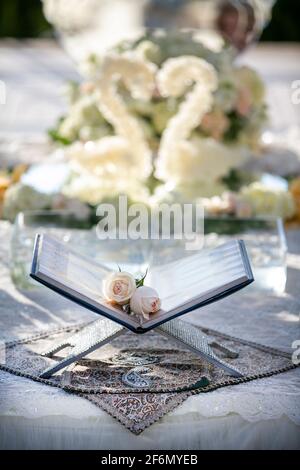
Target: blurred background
[25,19]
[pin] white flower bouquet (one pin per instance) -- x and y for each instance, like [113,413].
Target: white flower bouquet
[164,117]
[164,111]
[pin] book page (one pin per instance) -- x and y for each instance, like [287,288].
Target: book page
[59,262]
[73,273]
[180,282]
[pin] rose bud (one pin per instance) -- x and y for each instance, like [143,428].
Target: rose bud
[145,301]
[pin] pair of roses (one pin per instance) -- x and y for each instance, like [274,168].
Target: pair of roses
[123,289]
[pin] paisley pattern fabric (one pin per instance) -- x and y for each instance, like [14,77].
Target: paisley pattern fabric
[140,378]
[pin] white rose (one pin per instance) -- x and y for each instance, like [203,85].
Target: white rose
[93,190]
[118,287]
[144,301]
[20,197]
[265,201]
[247,78]
[201,159]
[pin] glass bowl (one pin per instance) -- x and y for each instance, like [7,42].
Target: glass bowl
[85,27]
[266,246]
[264,238]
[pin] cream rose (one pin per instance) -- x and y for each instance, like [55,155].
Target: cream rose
[119,287]
[203,160]
[145,301]
[265,201]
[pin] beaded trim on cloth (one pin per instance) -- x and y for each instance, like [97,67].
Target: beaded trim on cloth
[139,378]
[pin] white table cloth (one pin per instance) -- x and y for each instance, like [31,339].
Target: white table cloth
[262,414]
[243,416]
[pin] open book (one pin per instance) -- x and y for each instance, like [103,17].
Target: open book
[183,285]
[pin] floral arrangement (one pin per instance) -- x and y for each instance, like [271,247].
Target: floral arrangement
[166,117]
[295,192]
[253,200]
[162,110]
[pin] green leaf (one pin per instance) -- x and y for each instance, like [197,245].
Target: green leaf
[140,282]
[56,137]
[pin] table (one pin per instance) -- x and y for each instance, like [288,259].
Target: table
[240,417]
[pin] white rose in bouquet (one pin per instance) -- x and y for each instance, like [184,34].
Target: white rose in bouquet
[102,170]
[20,197]
[106,158]
[93,190]
[248,79]
[209,161]
[268,202]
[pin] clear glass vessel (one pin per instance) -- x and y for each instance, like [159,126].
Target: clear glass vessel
[92,26]
[60,224]
[266,246]
[265,241]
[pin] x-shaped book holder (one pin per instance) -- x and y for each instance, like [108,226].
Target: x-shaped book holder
[103,331]
[58,267]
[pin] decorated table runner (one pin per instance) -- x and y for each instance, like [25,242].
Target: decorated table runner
[138,379]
